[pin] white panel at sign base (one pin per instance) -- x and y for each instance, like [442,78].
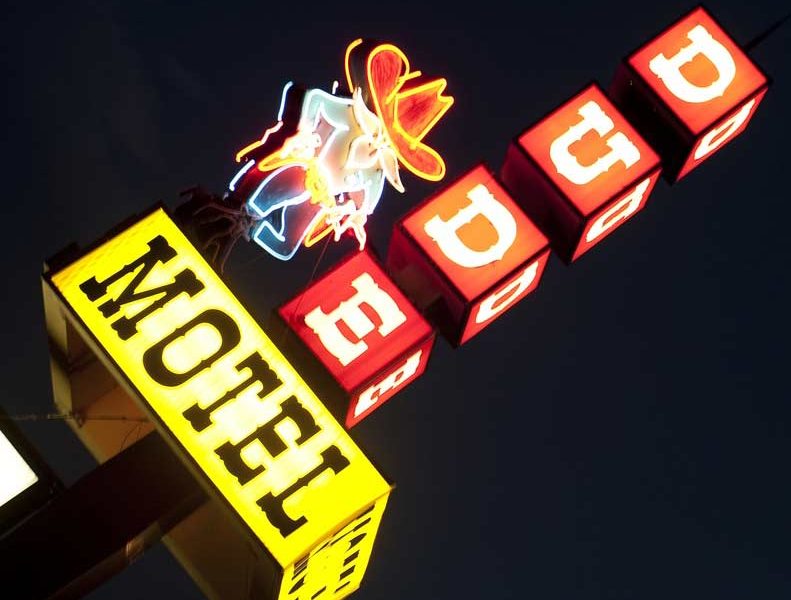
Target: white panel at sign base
[15,474]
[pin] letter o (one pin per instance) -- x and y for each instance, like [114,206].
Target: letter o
[153,359]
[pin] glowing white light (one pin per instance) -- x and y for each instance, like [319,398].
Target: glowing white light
[482,203]
[15,475]
[238,176]
[325,325]
[722,133]
[620,211]
[702,42]
[502,299]
[283,95]
[372,395]
[593,119]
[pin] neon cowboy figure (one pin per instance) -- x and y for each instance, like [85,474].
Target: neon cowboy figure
[322,168]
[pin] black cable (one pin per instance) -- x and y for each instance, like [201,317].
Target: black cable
[766,33]
[69,416]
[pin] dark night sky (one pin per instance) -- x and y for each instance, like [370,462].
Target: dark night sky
[621,433]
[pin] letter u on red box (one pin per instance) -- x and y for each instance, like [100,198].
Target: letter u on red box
[467,254]
[581,172]
[363,330]
[690,90]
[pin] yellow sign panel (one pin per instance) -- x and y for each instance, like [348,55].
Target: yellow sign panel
[335,567]
[222,390]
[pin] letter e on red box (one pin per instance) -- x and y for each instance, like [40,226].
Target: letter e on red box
[364,331]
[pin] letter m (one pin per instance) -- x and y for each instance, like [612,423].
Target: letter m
[159,251]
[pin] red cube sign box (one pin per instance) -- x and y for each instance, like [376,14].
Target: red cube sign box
[581,172]
[467,254]
[690,90]
[363,330]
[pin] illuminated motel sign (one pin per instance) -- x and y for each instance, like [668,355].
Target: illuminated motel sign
[228,402]
[233,407]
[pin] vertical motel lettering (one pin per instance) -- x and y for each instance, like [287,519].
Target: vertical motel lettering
[200,418]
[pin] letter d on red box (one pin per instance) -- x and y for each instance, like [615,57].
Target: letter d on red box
[467,254]
[690,91]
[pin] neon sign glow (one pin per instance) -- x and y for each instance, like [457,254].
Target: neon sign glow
[322,167]
[224,395]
